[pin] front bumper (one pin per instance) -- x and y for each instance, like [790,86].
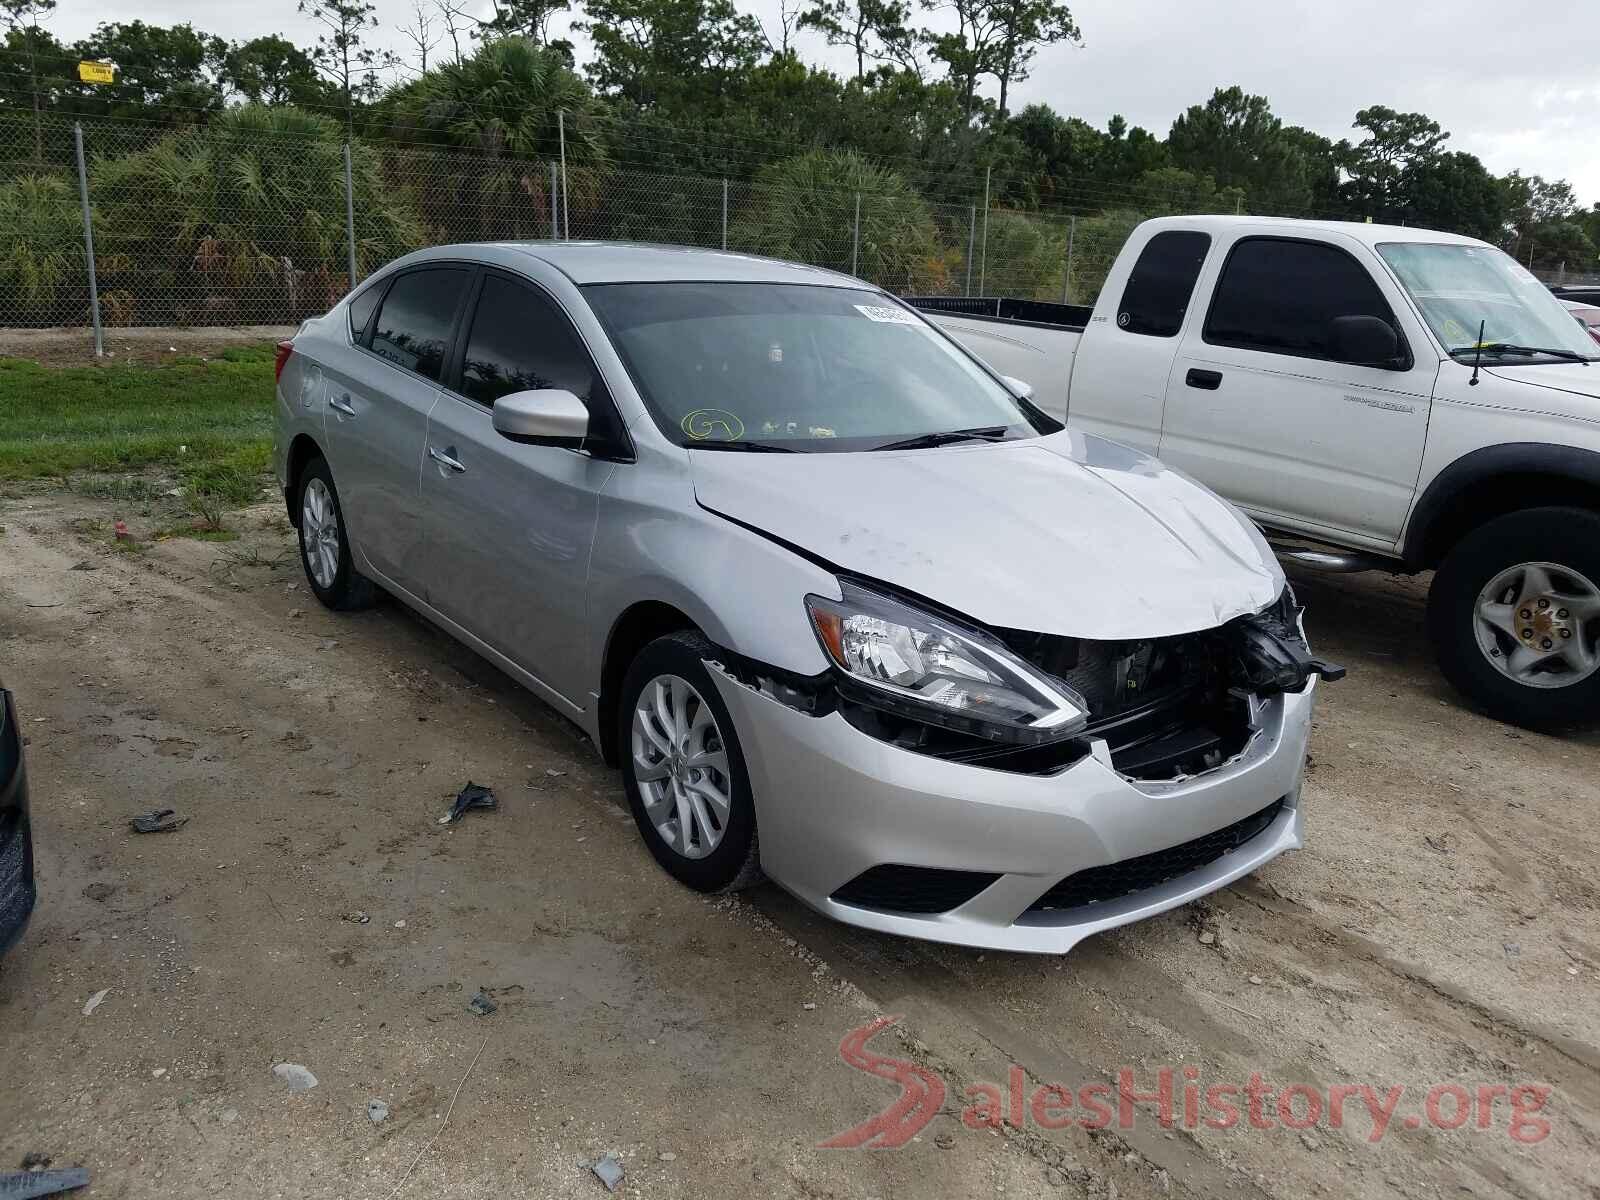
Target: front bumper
[17,891]
[833,802]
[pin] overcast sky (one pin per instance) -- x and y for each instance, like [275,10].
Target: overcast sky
[1517,85]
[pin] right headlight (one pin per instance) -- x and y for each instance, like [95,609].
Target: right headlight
[921,666]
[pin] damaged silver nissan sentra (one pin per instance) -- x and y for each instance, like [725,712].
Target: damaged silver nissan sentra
[843,605]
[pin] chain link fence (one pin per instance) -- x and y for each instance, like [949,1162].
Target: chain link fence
[263,217]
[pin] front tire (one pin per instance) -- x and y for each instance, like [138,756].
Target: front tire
[683,768]
[1514,616]
[324,543]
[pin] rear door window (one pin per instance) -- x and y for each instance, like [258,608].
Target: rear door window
[418,314]
[1281,296]
[1161,283]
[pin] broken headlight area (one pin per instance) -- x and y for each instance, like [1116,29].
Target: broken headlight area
[1165,707]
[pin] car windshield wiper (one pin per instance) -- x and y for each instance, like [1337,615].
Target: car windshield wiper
[1527,351]
[742,444]
[984,433]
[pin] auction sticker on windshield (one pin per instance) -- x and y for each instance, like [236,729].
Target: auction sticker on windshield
[886,314]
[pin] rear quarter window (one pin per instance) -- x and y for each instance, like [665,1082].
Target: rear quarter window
[1162,282]
[360,310]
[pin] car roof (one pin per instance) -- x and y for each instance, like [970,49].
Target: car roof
[1360,231]
[638,262]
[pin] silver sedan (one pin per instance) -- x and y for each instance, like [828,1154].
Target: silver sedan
[845,608]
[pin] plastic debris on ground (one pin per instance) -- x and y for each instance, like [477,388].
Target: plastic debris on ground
[296,1077]
[157,820]
[608,1170]
[377,1111]
[481,1004]
[89,1005]
[472,796]
[22,1185]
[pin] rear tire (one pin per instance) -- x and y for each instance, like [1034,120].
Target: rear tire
[325,544]
[683,768]
[1514,617]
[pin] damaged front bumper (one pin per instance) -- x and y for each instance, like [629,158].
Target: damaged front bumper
[1165,797]
[876,835]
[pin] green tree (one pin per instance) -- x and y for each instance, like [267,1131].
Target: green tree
[1454,192]
[1024,256]
[1173,190]
[503,103]
[342,53]
[873,30]
[42,253]
[22,22]
[1235,138]
[248,214]
[997,38]
[672,52]
[523,18]
[803,209]
[274,71]
[1395,143]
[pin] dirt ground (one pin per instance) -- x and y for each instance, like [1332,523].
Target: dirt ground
[74,347]
[1441,927]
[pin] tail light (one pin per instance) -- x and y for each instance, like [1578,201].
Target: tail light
[284,350]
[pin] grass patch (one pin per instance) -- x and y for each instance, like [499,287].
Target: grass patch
[198,533]
[211,421]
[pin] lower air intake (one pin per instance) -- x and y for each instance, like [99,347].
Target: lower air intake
[893,888]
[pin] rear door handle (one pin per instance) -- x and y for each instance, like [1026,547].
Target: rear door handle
[342,404]
[446,458]
[1198,377]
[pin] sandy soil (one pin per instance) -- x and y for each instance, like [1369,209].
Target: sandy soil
[1440,928]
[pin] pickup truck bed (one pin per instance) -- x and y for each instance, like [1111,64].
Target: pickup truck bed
[1034,340]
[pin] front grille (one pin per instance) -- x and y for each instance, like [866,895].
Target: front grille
[1117,879]
[889,887]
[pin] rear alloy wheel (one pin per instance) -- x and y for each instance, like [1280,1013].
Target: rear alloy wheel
[1515,616]
[325,544]
[683,769]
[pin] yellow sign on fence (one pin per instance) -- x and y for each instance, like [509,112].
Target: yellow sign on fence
[93,72]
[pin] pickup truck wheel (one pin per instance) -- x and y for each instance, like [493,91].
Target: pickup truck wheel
[1514,613]
[683,769]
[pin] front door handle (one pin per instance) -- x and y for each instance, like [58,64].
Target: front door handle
[1198,377]
[447,458]
[342,404]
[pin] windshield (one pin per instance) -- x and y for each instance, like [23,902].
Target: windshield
[1459,286]
[797,367]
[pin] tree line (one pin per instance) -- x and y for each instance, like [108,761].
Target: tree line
[699,88]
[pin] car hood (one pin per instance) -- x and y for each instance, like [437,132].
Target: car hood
[1574,379]
[1066,534]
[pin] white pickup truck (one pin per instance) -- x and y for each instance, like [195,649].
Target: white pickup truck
[1376,398]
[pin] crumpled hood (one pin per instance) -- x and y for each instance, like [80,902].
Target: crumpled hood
[1067,534]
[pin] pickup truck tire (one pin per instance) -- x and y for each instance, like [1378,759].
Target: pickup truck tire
[1514,616]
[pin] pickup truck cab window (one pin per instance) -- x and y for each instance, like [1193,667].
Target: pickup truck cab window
[1162,280]
[416,320]
[1281,296]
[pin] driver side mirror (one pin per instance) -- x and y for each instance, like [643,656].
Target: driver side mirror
[542,417]
[1365,341]
[1019,387]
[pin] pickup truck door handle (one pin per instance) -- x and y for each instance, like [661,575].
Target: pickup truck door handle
[447,458]
[1198,377]
[342,404]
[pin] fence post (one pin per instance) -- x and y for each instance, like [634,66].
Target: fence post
[855,237]
[1066,278]
[983,260]
[350,216]
[553,227]
[88,239]
[724,213]
[566,213]
[972,242]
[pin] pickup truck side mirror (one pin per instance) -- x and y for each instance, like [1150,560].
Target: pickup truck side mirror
[1364,341]
[1019,387]
[542,417]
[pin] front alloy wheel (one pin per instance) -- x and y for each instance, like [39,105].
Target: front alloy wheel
[683,768]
